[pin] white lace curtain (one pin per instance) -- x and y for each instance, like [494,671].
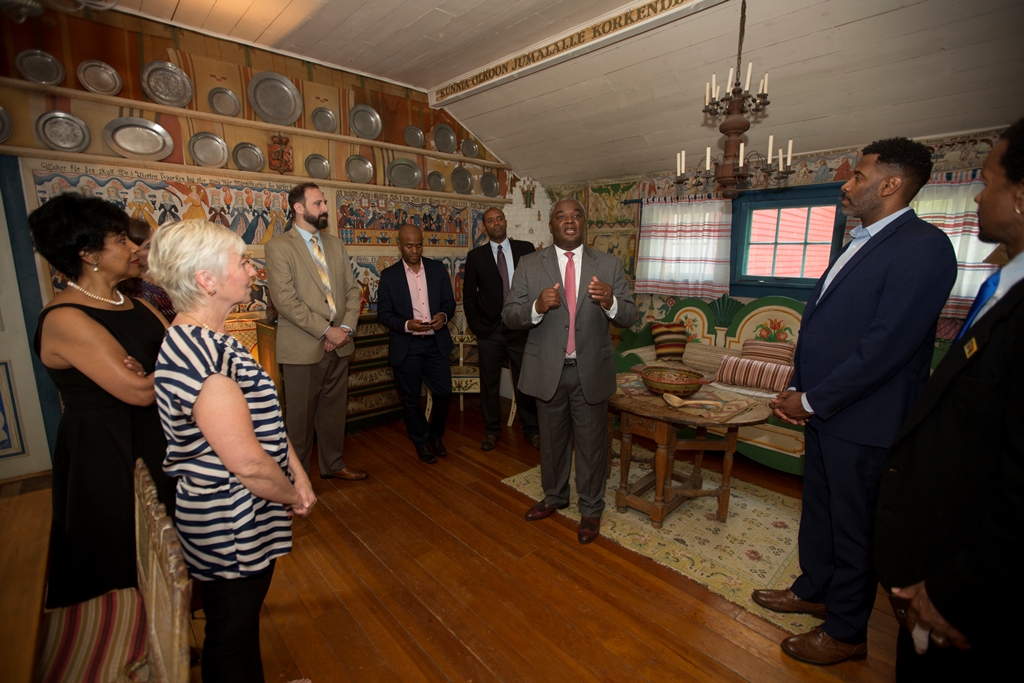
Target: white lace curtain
[684,246]
[947,202]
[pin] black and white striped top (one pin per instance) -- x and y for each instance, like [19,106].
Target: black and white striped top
[226,531]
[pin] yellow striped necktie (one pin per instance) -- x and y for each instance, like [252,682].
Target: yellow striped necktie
[325,278]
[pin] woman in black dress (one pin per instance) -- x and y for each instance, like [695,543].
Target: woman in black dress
[142,286]
[86,338]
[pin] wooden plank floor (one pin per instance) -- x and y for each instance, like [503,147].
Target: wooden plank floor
[430,573]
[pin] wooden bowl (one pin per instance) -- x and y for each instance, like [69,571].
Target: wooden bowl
[674,381]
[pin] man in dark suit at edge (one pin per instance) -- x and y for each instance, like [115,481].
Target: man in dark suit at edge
[951,502]
[415,302]
[863,355]
[563,296]
[489,272]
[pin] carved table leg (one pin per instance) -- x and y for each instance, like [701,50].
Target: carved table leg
[723,494]
[625,457]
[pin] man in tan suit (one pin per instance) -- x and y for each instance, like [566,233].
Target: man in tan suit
[317,297]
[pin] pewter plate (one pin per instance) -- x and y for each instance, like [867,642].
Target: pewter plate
[470,149]
[207,149]
[224,101]
[99,77]
[413,136]
[462,180]
[489,184]
[39,67]
[166,84]
[6,127]
[365,122]
[404,173]
[324,120]
[248,157]
[359,169]
[318,166]
[275,98]
[436,181]
[63,131]
[444,138]
[135,138]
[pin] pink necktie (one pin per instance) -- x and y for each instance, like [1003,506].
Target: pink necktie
[570,300]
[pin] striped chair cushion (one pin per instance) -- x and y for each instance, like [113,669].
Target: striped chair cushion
[98,641]
[773,352]
[669,340]
[757,374]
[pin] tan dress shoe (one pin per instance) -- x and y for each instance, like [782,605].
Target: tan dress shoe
[346,473]
[787,601]
[818,647]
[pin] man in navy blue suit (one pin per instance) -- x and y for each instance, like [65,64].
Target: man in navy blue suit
[415,301]
[863,356]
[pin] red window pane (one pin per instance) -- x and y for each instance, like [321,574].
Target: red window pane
[789,260]
[762,225]
[759,259]
[792,225]
[823,219]
[817,260]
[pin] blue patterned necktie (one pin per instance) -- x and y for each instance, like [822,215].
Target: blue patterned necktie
[988,288]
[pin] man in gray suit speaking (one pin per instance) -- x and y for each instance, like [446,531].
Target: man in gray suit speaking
[563,296]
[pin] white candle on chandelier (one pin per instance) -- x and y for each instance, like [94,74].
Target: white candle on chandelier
[750,68]
[682,163]
[765,82]
[714,84]
[679,164]
[707,93]
[718,90]
[707,161]
[760,87]
[780,159]
[741,153]
[789,154]
[728,84]
[771,146]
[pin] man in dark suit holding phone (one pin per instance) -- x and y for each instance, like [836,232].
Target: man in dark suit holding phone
[415,301]
[863,356]
[489,271]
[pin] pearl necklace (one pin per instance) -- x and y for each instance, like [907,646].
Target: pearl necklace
[89,294]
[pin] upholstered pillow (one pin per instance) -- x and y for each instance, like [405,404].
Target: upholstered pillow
[773,352]
[757,374]
[669,340]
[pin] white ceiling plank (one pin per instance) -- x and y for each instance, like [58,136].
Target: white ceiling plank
[255,20]
[192,12]
[225,15]
[159,9]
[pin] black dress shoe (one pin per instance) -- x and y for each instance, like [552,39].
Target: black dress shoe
[534,441]
[590,528]
[425,454]
[542,511]
[489,442]
[438,448]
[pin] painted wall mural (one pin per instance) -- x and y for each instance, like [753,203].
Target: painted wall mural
[366,218]
[11,442]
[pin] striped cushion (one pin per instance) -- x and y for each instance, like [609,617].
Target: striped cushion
[97,641]
[773,352]
[757,374]
[669,340]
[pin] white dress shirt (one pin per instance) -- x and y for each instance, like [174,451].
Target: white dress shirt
[307,237]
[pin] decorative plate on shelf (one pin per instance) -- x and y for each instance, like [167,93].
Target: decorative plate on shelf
[489,184]
[413,136]
[63,131]
[404,173]
[99,77]
[275,98]
[248,157]
[166,84]
[444,138]
[135,138]
[462,180]
[365,122]
[359,169]
[324,120]
[39,67]
[224,101]
[207,149]
[470,149]
[6,127]
[318,166]
[436,181]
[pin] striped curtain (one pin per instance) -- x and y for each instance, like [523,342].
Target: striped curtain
[684,246]
[947,202]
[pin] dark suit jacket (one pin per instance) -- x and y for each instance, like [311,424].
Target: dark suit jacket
[481,293]
[544,355]
[952,494]
[864,350]
[394,306]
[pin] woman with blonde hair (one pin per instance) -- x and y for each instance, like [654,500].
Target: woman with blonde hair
[239,480]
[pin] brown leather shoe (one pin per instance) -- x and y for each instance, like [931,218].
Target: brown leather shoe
[818,647]
[590,528]
[346,473]
[786,601]
[542,511]
[489,442]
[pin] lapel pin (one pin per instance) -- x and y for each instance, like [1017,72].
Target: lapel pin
[971,346]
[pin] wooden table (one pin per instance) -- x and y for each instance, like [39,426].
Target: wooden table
[649,416]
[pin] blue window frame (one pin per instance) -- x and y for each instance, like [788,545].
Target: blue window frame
[784,239]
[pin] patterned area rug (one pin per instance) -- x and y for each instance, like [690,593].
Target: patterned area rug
[755,548]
